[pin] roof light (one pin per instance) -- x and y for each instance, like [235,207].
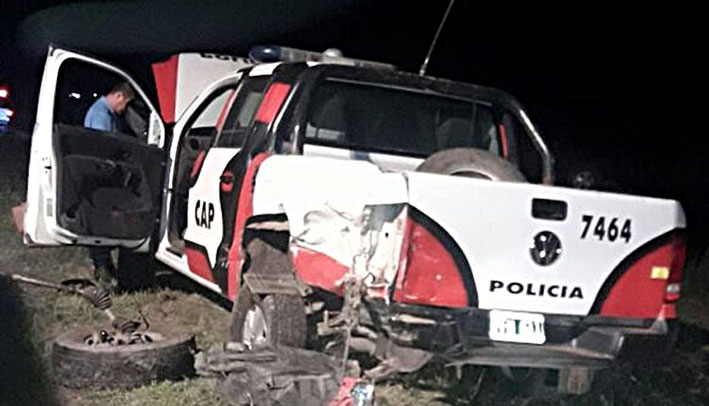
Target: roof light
[273,53]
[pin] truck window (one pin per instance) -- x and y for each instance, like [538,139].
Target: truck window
[380,119]
[238,121]
[80,84]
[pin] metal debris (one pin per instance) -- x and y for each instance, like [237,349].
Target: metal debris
[101,300]
[270,376]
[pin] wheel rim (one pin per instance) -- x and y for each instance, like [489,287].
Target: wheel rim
[254,329]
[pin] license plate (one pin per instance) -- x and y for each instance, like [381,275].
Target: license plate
[517,327]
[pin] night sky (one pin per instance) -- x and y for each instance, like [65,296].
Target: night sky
[609,87]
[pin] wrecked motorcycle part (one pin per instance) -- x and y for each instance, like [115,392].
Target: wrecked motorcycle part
[270,375]
[78,364]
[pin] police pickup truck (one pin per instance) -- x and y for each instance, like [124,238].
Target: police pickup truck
[330,197]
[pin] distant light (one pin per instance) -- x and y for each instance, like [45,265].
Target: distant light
[76,95]
[4,93]
[95,94]
[9,113]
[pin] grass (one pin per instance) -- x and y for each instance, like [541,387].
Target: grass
[184,393]
[48,313]
[680,380]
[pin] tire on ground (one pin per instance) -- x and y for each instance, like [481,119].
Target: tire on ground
[77,365]
[471,162]
[285,317]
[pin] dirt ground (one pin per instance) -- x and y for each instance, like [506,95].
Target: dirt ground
[31,317]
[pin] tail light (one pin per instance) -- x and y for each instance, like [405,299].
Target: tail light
[672,291]
[649,282]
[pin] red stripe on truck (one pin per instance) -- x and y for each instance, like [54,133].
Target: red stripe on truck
[431,275]
[199,263]
[165,74]
[272,101]
[317,269]
[244,210]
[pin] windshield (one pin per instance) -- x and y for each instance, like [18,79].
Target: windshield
[376,118]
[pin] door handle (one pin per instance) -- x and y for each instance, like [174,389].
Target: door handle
[227,181]
[227,177]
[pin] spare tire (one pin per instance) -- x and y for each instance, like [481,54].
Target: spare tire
[77,364]
[471,162]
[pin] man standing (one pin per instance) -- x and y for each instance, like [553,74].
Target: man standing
[102,116]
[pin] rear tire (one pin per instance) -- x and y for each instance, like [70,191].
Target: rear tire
[283,317]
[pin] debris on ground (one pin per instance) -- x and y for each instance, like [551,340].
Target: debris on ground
[281,375]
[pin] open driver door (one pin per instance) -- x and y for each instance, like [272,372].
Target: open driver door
[85,186]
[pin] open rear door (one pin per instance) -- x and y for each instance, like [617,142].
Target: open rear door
[86,186]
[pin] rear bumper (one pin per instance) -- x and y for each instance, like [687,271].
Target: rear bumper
[461,337]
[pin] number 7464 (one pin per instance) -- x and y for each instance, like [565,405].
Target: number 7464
[612,230]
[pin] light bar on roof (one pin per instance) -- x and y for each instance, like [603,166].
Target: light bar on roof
[274,53]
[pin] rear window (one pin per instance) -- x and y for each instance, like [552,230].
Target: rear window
[376,118]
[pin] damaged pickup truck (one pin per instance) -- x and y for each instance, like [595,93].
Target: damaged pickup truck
[344,204]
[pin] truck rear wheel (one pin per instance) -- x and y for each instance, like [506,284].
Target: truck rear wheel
[273,319]
[268,317]
[472,163]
